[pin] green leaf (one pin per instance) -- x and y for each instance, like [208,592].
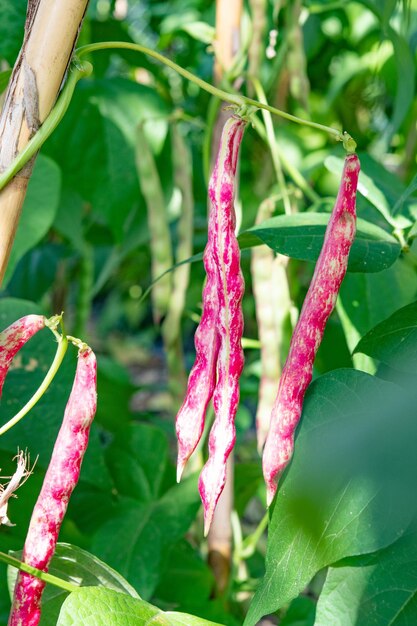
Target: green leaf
[301,612]
[376,590]
[38,430]
[76,566]
[145,532]
[96,606]
[187,580]
[367,299]
[39,210]
[301,236]
[394,341]
[349,489]
[100,125]
[137,460]
[105,607]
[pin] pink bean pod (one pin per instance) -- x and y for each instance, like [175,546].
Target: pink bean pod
[230,289]
[318,305]
[14,337]
[60,479]
[202,380]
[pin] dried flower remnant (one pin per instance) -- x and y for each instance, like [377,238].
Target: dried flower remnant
[230,289]
[60,480]
[318,305]
[7,491]
[14,337]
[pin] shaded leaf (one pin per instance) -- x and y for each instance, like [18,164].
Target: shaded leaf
[145,532]
[349,489]
[376,590]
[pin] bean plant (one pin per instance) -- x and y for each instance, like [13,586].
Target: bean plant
[208,329]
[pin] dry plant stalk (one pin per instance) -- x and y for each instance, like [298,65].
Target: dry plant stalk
[51,31]
[272,306]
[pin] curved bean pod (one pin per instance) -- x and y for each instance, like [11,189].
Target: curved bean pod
[14,337]
[60,479]
[318,304]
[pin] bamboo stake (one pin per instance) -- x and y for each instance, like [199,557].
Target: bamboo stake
[51,31]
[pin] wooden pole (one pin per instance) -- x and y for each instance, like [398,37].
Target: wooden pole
[51,31]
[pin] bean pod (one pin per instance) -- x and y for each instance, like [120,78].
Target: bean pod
[318,305]
[230,289]
[13,338]
[60,479]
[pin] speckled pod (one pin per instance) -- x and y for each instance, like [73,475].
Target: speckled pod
[13,338]
[318,305]
[230,288]
[60,479]
[202,379]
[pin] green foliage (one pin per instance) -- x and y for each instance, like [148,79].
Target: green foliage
[301,236]
[100,606]
[39,210]
[353,465]
[341,537]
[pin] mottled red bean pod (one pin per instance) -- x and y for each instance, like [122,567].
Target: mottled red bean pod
[60,479]
[14,337]
[318,305]
[202,379]
[230,289]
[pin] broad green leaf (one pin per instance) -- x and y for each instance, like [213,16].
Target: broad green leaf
[187,580]
[301,612]
[105,178]
[367,299]
[115,391]
[39,210]
[301,236]
[349,489]
[38,430]
[145,532]
[96,606]
[137,460]
[76,566]
[377,589]
[394,341]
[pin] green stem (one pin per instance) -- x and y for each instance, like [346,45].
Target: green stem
[238,100]
[48,578]
[76,72]
[60,353]
[273,146]
[251,541]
